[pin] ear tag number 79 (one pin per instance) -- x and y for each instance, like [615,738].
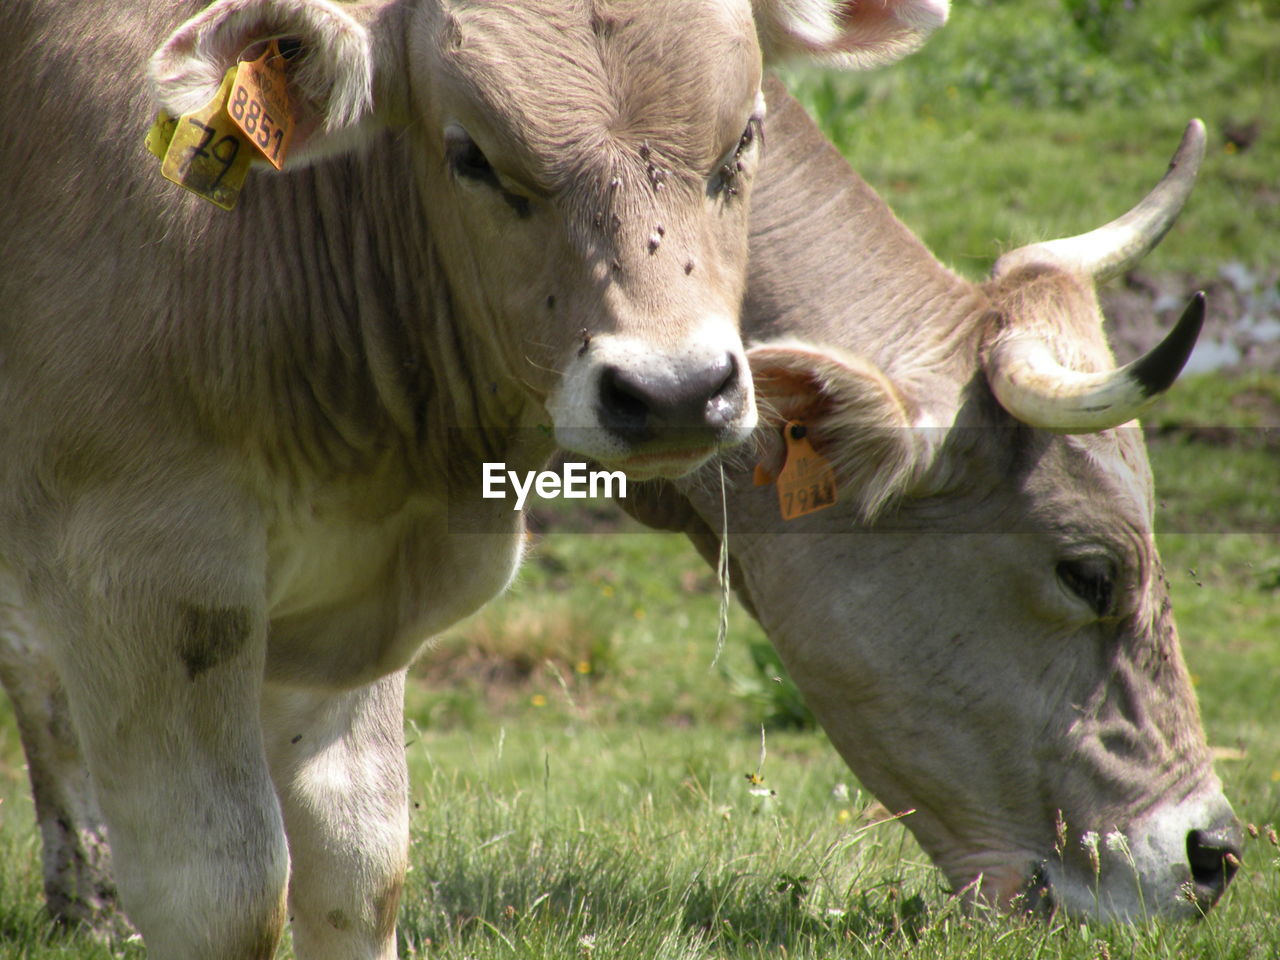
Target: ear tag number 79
[206,153]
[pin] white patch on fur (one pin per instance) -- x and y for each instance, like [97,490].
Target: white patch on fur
[1150,879]
[857,37]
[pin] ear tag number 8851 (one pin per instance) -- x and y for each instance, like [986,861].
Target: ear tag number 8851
[260,106]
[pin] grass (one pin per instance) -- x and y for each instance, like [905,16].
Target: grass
[580,769]
[605,815]
[1013,125]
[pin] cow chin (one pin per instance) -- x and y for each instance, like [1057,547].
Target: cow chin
[1116,893]
[670,461]
[1173,863]
[671,464]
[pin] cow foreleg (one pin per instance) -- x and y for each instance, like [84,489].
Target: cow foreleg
[339,767]
[79,889]
[165,696]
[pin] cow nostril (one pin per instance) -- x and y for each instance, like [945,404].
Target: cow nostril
[637,405]
[623,407]
[1214,856]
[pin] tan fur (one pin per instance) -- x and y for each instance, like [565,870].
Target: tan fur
[860,421]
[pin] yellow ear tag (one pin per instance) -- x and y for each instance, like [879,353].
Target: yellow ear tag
[260,104]
[806,483]
[205,154]
[160,134]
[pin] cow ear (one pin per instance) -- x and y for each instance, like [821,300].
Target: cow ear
[851,34]
[330,65]
[856,418]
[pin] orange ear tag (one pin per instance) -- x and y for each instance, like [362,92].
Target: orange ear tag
[204,150]
[806,483]
[260,104]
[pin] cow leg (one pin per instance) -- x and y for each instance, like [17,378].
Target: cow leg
[78,886]
[339,768]
[154,599]
[170,730]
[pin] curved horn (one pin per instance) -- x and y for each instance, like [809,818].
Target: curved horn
[1112,249]
[1037,390]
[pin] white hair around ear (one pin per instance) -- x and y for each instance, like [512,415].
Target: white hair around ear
[857,418]
[850,34]
[330,76]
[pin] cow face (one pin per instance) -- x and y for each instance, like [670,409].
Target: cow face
[612,183]
[1000,657]
[583,171]
[980,621]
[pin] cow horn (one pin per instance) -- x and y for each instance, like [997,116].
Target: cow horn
[1112,249]
[1032,386]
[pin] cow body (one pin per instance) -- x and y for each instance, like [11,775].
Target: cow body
[240,470]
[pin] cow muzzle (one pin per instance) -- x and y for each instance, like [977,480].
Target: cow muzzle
[655,412]
[1177,861]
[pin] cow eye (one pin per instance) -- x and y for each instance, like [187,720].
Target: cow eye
[730,170]
[466,159]
[468,162]
[754,129]
[1092,579]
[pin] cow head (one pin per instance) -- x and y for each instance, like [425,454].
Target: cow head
[583,170]
[981,623]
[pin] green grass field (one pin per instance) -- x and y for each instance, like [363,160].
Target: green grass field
[580,764]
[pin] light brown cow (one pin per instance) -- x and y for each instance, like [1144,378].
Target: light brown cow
[981,623]
[239,454]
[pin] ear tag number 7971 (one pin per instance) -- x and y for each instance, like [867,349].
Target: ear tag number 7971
[806,482]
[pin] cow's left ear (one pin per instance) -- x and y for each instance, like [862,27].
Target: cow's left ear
[852,34]
[855,417]
[330,65]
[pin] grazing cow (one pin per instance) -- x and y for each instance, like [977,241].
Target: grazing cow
[240,454]
[981,623]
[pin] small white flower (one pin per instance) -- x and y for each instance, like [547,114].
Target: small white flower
[1090,842]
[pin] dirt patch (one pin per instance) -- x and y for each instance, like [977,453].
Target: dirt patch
[1242,318]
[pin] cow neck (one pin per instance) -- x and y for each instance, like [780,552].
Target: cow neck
[900,308]
[335,346]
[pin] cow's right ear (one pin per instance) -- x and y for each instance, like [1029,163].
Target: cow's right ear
[855,417]
[850,34]
[330,66]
